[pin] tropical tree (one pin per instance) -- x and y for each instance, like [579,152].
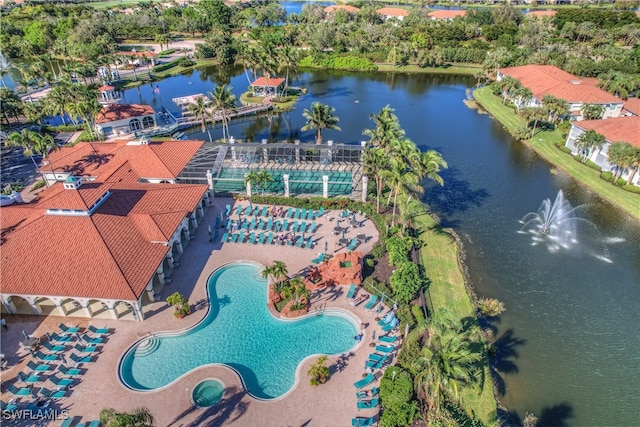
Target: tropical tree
[264,179]
[592,111]
[375,162]
[223,102]
[300,290]
[200,110]
[401,179]
[387,129]
[409,209]
[287,59]
[11,103]
[620,154]
[586,142]
[445,365]
[33,143]
[276,271]
[141,417]
[430,163]
[320,116]
[618,83]
[634,163]
[556,108]
[253,179]
[534,114]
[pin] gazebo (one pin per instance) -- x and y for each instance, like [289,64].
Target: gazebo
[107,94]
[265,86]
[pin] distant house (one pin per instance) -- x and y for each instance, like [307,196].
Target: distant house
[541,13]
[265,86]
[121,161]
[121,119]
[140,58]
[631,107]
[447,15]
[545,80]
[393,12]
[336,7]
[625,129]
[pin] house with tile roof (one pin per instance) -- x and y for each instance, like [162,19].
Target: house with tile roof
[393,12]
[121,119]
[266,85]
[631,107]
[336,7]
[626,128]
[545,80]
[447,15]
[89,248]
[121,161]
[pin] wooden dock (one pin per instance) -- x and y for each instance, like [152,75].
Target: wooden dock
[240,112]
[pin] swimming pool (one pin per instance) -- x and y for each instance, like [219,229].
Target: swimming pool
[300,181]
[239,332]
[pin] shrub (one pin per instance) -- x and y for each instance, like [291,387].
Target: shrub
[607,176]
[409,353]
[186,62]
[632,188]
[405,316]
[319,372]
[396,397]
[490,307]
[38,184]
[180,303]
[406,281]
[164,67]
[167,52]
[63,128]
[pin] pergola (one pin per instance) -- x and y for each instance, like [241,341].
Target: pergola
[298,169]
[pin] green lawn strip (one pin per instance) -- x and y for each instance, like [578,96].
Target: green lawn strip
[439,255]
[453,68]
[543,144]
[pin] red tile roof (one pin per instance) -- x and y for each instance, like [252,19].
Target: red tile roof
[57,197]
[139,54]
[447,14]
[122,242]
[615,129]
[549,80]
[541,13]
[106,87]
[117,161]
[345,7]
[632,105]
[273,82]
[113,112]
[393,11]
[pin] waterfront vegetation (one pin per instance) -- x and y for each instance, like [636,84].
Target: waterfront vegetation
[546,142]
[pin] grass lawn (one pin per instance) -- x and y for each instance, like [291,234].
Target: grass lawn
[543,144]
[439,256]
[449,69]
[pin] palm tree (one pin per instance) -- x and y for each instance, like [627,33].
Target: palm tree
[387,128]
[445,365]
[375,162]
[277,271]
[200,110]
[409,209]
[588,141]
[402,179]
[634,163]
[264,179]
[223,101]
[253,179]
[533,113]
[430,164]
[299,290]
[33,143]
[620,155]
[287,59]
[592,111]
[141,417]
[319,117]
[556,108]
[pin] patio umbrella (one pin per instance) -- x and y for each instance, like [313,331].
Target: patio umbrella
[344,230]
[373,335]
[326,246]
[26,337]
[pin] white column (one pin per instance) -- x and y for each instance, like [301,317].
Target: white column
[149,289]
[364,145]
[137,311]
[325,186]
[265,152]
[248,186]
[297,142]
[194,221]
[9,305]
[185,231]
[210,179]
[365,184]
[85,307]
[200,210]
[286,185]
[58,304]
[179,247]
[330,152]
[160,273]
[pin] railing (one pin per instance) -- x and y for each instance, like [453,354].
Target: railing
[242,111]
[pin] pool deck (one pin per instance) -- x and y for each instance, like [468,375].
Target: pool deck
[330,404]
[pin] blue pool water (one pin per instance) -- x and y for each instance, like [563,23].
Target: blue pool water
[239,332]
[300,181]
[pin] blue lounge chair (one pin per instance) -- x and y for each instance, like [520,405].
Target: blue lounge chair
[303,227]
[310,214]
[234,238]
[245,224]
[289,211]
[352,291]
[264,212]
[261,238]
[23,391]
[8,407]
[376,357]
[57,394]
[270,224]
[260,225]
[70,372]
[247,211]
[387,328]
[364,382]
[28,378]
[385,349]
[225,237]
[371,364]
[85,349]
[277,226]
[53,348]
[289,242]
[253,224]
[37,367]
[320,212]
[217,222]
[45,357]
[68,329]
[227,210]
[312,227]
[368,404]
[309,244]
[294,228]
[60,382]
[94,423]
[299,242]
[372,302]
[58,338]
[256,211]
[363,422]
[285,225]
[227,225]
[362,394]
[68,422]
[303,215]
[269,239]
[91,340]
[252,238]
[297,214]
[239,210]
[215,236]
[318,259]
[387,340]
[78,360]
[353,245]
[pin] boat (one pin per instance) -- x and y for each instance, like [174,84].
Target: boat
[178,135]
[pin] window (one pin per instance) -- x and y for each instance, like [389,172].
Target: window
[134,125]
[148,122]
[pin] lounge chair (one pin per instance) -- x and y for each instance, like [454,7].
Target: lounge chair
[89,340]
[320,212]
[269,239]
[28,378]
[297,214]
[277,226]
[68,422]
[85,349]
[289,242]
[364,382]
[8,407]
[385,349]
[295,226]
[310,214]
[289,211]
[309,244]
[225,237]
[245,225]
[35,367]
[372,302]
[363,422]
[368,404]
[60,382]
[299,242]
[22,391]
[285,225]
[253,224]
[215,236]
[318,259]
[45,357]
[234,238]
[312,227]
[70,372]
[362,394]
[359,300]
[261,238]
[303,227]
[371,364]
[59,338]
[352,291]
[239,210]
[57,394]
[376,357]
[353,245]
[256,211]
[252,238]
[78,360]
[53,348]
[303,215]
[68,329]
[260,225]
[387,328]
[247,211]
[217,222]
[227,210]
[387,340]
[269,224]
[265,211]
